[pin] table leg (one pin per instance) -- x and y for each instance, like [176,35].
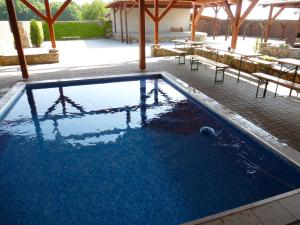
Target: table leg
[241,60]
[294,79]
[266,87]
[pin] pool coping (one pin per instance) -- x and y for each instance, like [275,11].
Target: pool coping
[231,117]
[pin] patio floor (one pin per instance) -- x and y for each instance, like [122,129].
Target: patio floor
[279,116]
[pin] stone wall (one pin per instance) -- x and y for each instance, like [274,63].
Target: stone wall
[279,52]
[7,39]
[248,66]
[163,37]
[44,58]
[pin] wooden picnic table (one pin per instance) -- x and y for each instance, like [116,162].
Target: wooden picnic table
[187,42]
[289,65]
[240,55]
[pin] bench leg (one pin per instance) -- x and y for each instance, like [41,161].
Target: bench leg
[276,90]
[259,83]
[179,59]
[291,92]
[257,88]
[266,87]
[222,70]
[194,61]
[240,67]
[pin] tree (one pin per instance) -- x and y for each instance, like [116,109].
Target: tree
[3,11]
[93,11]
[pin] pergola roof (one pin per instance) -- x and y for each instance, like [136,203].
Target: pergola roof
[178,4]
[280,3]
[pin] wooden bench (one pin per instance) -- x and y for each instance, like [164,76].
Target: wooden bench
[265,79]
[219,67]
[71,38]
[180,54]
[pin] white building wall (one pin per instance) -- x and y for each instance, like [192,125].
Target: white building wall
[175,18]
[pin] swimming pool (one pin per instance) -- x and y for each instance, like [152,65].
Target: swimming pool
[127,150]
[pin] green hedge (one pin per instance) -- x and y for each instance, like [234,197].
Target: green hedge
[77,30]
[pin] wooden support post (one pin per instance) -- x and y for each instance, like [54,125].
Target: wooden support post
[271,19]
[216,10]
[193,25]
[121,21]
[226,28]
[283,26]
[146,10]
[267,29]
[115,24]
[15,30]
[196,16]
[142,43]
[126,24]
[156,21]
[235,28]
[50,24]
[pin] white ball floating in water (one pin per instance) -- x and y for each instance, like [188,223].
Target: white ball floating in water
[208,131]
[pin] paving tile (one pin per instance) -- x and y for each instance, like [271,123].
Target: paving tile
[214,222]
[292,204]
[243,218]
[273,214]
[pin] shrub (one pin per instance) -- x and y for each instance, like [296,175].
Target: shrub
[36,33]
[284,45]
[257,44]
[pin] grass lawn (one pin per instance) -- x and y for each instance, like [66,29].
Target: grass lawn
[77,30]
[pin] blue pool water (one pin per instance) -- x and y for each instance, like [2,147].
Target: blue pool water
[127,153]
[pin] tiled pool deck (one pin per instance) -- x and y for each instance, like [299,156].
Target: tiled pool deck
[278,116]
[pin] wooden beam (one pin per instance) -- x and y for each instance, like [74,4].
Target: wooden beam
[235,28]
[193,22]
[156,21]
[227,9]
[200,10]
[60,10]
[167,9]
[35,10]
[146,10]
[50,24]
[216,11]
[277,14]
[126,25]
[267,29]
[247,12]
[121,22]
[142,42]
[15,30]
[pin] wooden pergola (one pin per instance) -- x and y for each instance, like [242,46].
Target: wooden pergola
[48,18]
[281,4]
[197,5]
